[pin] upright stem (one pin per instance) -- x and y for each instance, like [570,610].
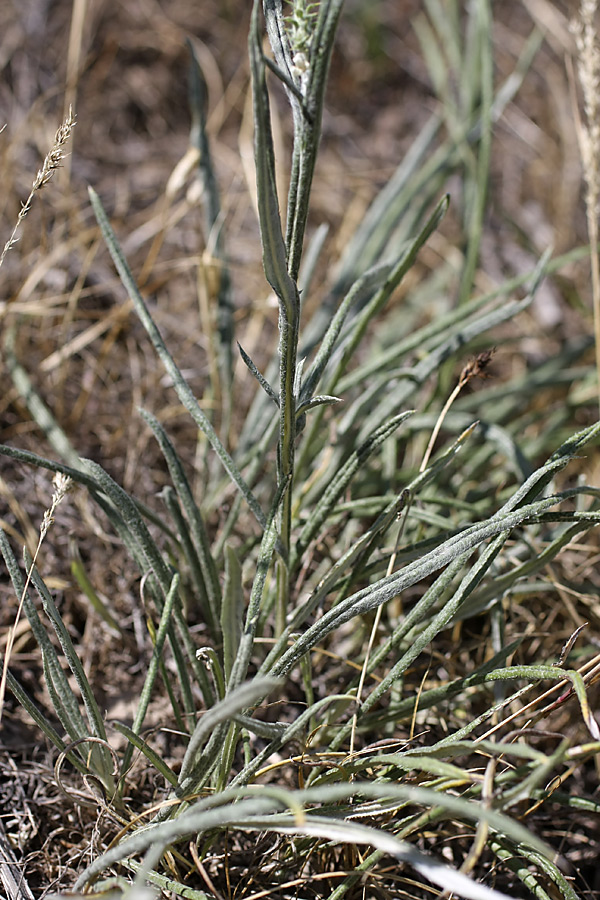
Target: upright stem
[288,347]
[302,43]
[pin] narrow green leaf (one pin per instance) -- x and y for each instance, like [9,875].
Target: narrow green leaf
[236,700]
[342,478]
[85,585]
[274,252]
[95,720]
[181,386]
[314,402]
[39,411]
[140,744]
[212,205]
[246,645]
[232,613]
[394,278]
[390,586]
[360,291]
[286,734]
[435,697]
[357,555]
[259,376]
[40,719]
[152,672]
[134,522]
[66,705]
[260,812]
[196,526]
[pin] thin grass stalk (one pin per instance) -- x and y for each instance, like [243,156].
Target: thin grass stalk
[435,697]
[52,162]
[146,693]
[62,486]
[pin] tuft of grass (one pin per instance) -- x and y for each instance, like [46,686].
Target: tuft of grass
[333,697]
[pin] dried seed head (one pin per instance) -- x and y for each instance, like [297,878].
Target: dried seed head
[63,484]
[51,163]
[56,155]
[476,367]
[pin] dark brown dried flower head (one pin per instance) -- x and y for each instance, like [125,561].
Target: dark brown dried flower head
[476,367]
